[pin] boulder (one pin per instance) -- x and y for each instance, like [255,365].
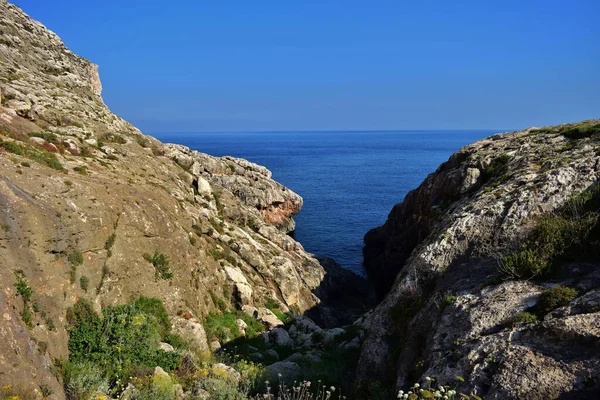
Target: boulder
[287,371]
[268,318]
[192,331]
[280,337]
[166,347]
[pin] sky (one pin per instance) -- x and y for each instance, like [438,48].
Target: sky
[190,66]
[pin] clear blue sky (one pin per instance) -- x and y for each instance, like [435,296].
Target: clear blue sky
[282,65]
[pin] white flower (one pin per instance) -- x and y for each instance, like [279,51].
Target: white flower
[406,396]
[417,385]
[427,378]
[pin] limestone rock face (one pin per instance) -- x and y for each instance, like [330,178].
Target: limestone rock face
[433,259]
[250,182]
[74,177]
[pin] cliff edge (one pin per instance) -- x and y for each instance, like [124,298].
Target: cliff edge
[489,271]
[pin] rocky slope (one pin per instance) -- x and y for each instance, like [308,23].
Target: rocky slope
[92,208]
[479,242]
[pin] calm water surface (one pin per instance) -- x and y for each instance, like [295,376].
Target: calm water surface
[349,180]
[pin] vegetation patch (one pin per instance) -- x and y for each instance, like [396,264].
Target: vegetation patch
[219,302]
[553,298]
[47,136]
[524,318]
[497,168]
[252,224]
[571,232]
[222,326]
[25,291]
[105,350]
[582,130]
[446,301]
[160,261]
[75,258]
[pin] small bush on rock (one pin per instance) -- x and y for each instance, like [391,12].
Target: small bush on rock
[554,298]
[160,262]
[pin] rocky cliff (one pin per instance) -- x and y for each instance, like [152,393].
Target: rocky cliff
[91,208]
[489,271]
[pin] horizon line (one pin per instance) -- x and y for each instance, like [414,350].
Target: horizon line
[334,131]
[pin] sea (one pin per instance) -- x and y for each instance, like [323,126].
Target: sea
[349,180]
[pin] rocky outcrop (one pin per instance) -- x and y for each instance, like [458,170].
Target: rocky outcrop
[433,259]
[251,183]
[91,208]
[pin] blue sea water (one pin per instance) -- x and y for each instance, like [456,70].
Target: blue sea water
[349,180]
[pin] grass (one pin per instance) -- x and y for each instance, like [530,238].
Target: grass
[222,326]
[160,261]
[39,155]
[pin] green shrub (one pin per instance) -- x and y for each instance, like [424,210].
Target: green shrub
[581,130]
[219,302]
[252,224]
[27,316]
[221,389]
[554,298]
[84,282]
[524,318]
[497,168]
[156,387]
[83,379]
[121,341]
[272,304]
[23,288]
[217,226]
[110,241]
[75,258]
[160,262]
[218,203]
[82,170]
[447,301]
